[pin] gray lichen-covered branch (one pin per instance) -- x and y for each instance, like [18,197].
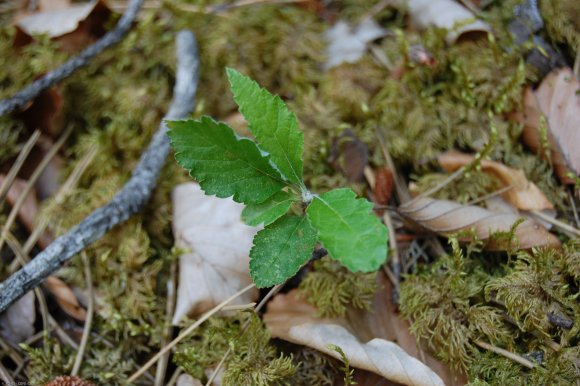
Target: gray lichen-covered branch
[28,93]
[129,200]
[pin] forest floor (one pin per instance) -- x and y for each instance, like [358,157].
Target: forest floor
[458,120]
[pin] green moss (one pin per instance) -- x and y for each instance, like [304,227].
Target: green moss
[562,19]
[253,361]
[331,288]
[314,368]
[458,300]
[48,362]
[10,131]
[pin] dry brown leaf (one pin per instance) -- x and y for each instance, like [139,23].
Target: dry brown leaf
[524,195]
[448,14]
[17,323]
[188,380]
[384,185]
[447,217]
[45,113]
[215,245]
[558,100]
[384,321]
[28,211]
[294,320]
[65,298]
[349,155]
[74,26]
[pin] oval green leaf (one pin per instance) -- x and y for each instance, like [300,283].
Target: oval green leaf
[349,230]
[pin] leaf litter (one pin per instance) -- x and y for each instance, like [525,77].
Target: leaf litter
[444,87]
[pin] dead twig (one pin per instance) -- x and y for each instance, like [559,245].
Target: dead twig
[505,353]
[128,201]
[167,330]
[28,93]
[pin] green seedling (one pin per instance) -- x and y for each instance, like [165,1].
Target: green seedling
[266,176]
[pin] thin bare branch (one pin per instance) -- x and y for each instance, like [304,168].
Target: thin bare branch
[28,93]
[128,201]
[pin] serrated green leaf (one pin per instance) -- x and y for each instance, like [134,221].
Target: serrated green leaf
[223,164]
[273,125]
[280,250]
[349,230]
[268,211]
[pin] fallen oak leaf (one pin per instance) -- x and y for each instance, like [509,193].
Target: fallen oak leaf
[523,194]
[446,14]
[294,320]
[558,100]
[448,217]
[215,245]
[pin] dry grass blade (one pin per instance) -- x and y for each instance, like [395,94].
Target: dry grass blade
[89,319]
[447,217]
[167,330]
[63,192]
[18,164]
[186,333]
[31,181]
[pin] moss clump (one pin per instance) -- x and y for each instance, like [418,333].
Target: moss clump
[281,47]
[460,300]
[253,361]
[48,362]
[314,368]
[450,104]
[562,19]
[332,288]
[10,131]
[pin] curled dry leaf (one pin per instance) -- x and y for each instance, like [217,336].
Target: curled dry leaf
[447,14]
[558,100]
[384,321]
[447,217]
[214,245]
[294,320]
[65,298]
[524,195]
[17,323]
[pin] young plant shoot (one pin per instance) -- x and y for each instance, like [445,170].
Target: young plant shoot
[266,176]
